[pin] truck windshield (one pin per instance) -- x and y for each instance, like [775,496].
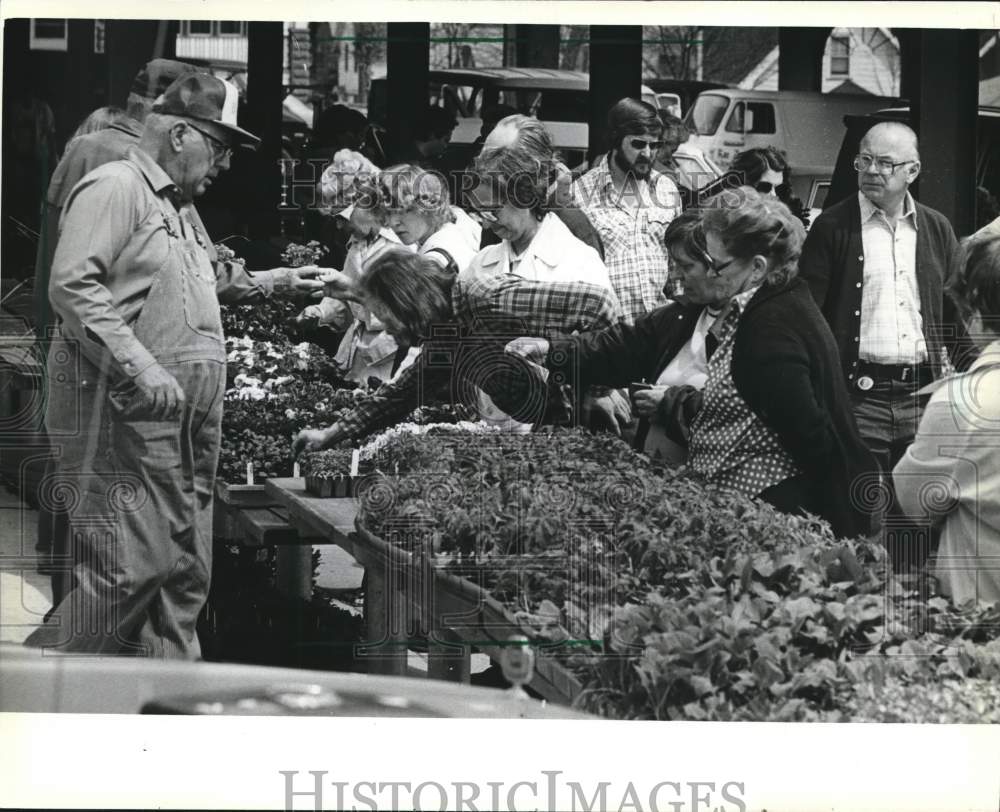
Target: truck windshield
[706,115]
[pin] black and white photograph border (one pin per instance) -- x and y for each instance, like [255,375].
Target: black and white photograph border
[421,439]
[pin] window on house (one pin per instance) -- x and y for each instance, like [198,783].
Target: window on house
[197,28]
[231,28]
[840,56]
[213,28]
[48,35]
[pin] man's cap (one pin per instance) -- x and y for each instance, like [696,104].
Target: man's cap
[207,99]
[158,75]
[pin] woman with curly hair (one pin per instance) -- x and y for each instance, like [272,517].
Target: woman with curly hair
[774,418]
[421,214]
[349,188]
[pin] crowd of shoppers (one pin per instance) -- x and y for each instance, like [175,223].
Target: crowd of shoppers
[790,367]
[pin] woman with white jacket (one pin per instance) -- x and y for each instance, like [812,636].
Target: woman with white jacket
[511,200]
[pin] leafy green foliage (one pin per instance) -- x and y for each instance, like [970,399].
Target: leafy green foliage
[670,598]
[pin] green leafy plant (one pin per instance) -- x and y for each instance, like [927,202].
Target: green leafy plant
[671,599]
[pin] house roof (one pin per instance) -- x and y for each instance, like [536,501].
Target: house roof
[848,86]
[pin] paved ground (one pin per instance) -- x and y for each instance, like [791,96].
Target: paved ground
[25,595]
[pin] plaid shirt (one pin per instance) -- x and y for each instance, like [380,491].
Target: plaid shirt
[469,352]
[634,252]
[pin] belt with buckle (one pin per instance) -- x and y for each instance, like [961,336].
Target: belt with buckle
[870,373]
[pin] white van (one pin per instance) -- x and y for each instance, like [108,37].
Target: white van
[806,127]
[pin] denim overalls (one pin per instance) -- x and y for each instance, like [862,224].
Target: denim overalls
[138,492]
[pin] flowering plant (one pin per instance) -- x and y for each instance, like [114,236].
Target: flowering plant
[297,255]
[226,254]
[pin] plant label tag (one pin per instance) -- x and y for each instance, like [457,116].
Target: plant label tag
[355,461]
[249,473]
[295,470]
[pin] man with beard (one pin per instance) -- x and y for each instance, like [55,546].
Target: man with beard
[631,206]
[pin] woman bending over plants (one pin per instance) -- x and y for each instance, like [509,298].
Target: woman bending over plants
[462,324]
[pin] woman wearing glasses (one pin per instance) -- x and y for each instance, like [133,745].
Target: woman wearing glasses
[421,215]
[510,195]
[510,198]
[774,418]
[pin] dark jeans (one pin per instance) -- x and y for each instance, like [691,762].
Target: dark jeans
[887,417]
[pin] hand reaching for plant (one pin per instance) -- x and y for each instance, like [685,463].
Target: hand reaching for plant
[316,439]
[607,413]
[533,349]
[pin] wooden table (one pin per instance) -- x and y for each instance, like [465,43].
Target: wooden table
[250,515]
[407,598]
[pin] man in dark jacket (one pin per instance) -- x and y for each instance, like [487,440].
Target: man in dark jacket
[876,264]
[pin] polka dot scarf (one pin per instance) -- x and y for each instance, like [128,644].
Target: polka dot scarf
[729,444]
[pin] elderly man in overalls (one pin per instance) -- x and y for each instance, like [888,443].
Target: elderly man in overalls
[136,380]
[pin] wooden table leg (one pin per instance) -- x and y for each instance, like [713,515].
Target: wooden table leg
[293,571]
[448,658]
[385,632]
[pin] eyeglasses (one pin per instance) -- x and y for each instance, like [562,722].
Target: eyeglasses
[766,188]
[486,214]
[639,144]
[220,150]
[884,166]
[717,267]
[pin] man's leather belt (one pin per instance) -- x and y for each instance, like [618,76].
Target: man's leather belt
[903,373]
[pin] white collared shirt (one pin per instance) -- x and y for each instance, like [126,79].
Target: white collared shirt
[459,240]
[553,255]
[891,323]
